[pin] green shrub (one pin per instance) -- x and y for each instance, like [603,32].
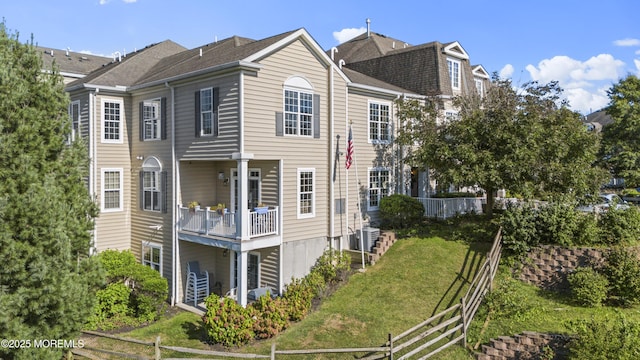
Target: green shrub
[587,231]
[622,270]
[504,300]
[227,322]
[557,223]
[609,338]
[620,226]
[519,232]
[588,287]
[111,309]
[400,211]
[270,316]
[298,296]
[332,265]
[146,292]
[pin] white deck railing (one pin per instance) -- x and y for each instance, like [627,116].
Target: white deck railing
[443,208]
[209,222]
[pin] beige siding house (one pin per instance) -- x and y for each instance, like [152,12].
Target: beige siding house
[232,155]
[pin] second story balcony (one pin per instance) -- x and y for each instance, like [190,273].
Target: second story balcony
[225,224]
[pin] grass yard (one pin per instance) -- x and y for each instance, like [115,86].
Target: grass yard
[417,278]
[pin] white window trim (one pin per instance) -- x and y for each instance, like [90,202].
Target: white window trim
[284,111]
[234,178]
[151,245]
[233,267]
[102,189]
[376,169]
[451,76]
[120,139]
[479,86]
[377,141]
[159,123]
[74,133]
[313,198]
[213,111]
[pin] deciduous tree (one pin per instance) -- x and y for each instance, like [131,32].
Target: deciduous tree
[47,280]
[526,141]
[621,139]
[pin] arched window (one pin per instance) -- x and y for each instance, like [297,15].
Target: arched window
[301,109]
[152,186]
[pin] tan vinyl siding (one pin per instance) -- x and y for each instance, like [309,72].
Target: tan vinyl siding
[190,147]
[113,228]
[143,221]
[340,128]
[366,155]
[263,97]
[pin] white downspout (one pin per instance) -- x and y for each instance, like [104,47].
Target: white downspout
[280,225]
[332,163]
[92,160]
[174,220]
[346,136]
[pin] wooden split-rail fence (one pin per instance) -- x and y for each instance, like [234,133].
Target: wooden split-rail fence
[422,341]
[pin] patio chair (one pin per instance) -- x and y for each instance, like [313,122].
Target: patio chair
[232,293]
[197,283]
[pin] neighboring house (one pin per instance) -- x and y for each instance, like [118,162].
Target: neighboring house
[431,69]
[596,121]
[72,65]
[239,123]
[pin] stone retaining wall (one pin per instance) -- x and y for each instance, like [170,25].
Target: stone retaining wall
[547,266]
[528,345]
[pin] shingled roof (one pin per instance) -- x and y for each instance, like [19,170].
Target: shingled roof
[70,62]
[128,69]
[364,47]
[222,52]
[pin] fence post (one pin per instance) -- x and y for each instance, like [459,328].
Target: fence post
[273,351]
[157,346]
[464,321]
[390,347]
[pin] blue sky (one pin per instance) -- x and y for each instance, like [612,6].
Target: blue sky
[586,45]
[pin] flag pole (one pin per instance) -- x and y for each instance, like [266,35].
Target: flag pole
[351,158]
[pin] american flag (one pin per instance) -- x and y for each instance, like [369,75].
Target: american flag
[349,150]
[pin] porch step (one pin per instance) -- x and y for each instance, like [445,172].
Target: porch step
[382,244]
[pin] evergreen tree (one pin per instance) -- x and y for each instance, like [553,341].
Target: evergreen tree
[47,279]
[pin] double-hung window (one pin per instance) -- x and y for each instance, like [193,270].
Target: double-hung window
[298,113]
[306,193]
[151,119]
[479,87]
[454,73]
[112,121]
[206,112]
[112,182]
[378,186]
[74,114]
[152,256]
[152,183]
[379,122]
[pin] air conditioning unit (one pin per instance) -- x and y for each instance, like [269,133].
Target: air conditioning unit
[369,237]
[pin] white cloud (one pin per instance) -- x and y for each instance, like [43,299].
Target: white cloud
[348,34]
[580,79]
[637,62]
[506,71]
[627,42]
[104,2]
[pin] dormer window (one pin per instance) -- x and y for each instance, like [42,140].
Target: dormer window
[454,73]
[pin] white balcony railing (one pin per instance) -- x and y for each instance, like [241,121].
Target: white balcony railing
[443,208]
[209,222]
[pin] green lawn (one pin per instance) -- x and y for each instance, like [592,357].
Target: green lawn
[417,278]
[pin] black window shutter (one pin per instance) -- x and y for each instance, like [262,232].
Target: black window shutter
[197,114]
[316,116]
[163,191]
[279,123]
[163,118]
[216,104]
[141,116]
[141,191]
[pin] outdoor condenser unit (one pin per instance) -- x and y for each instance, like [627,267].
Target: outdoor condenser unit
[370,234]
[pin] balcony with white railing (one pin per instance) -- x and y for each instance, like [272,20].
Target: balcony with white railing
[205,221]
